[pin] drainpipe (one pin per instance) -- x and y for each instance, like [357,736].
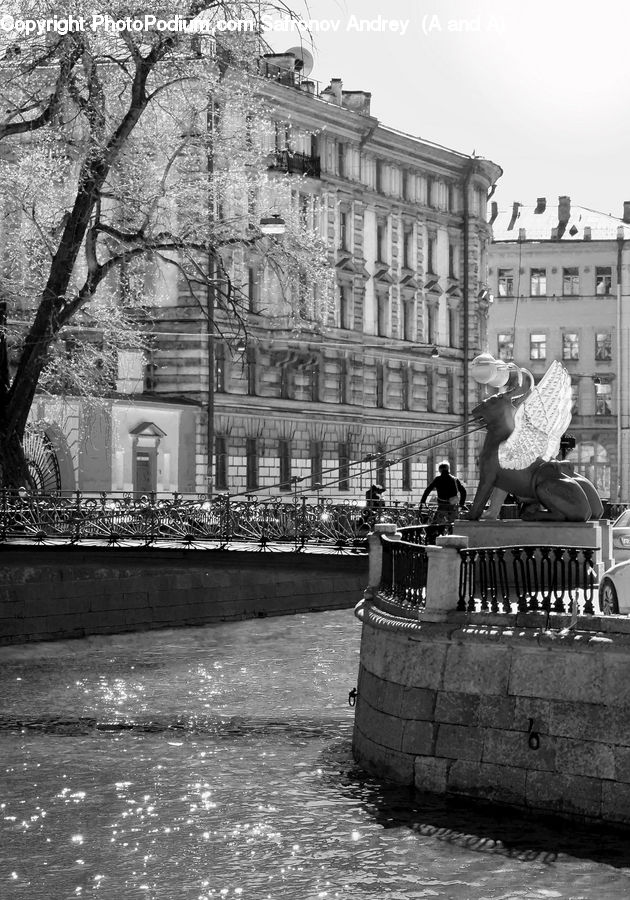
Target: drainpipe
[620,362]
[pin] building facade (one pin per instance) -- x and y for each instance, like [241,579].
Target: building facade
[327,409]
[330,410]
[560,278]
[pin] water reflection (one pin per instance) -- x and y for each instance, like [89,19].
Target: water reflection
[209,763]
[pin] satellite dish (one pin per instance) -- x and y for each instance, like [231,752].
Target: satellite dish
[303,59]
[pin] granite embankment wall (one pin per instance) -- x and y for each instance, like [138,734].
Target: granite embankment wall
[528,709]
[516,714]
[53,593]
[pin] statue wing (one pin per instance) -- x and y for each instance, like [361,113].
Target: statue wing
[540,421]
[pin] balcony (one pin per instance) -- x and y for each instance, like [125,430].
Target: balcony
[295,163]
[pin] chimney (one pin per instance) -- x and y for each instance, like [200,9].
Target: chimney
[357,101]
[515,214]
[626,211]
[522,234]
[564,210]
[333,91]
[541,205]
[494,211]
[587,232]
[554,234]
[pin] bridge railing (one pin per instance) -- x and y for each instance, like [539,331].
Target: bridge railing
[149,520]
[528,579]
[404,572]
[452,577]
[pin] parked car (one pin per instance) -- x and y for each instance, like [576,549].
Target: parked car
[621,537]
[614,590]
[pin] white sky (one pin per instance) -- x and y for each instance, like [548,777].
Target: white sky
[540,87]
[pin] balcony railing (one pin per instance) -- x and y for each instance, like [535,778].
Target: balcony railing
[296,163]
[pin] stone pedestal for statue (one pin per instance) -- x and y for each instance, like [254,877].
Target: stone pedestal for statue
[596,534]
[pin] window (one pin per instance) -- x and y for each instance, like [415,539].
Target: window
[381,242]
[341,159]
[406,475]
[345,306]
[452,328]
[285,383]
[430,402]
[575,398]
[603,345]
[603,399]
[381,465]
[505,346]
[404,387]
[284,454]
[603,280]
[219,367]
[221,456]
[343,230]
[538,346]
[343,453]
[431,255]
[409,320]
[429,192]
[316,464]
[408,249]
[538,282]
[253,288]
[314,383]
[342,395]
[251,372]
[451,261]
[380,385]
[405,185]
[432,324]
[570,345]
[251,461]
[570,282]
[505,285]
[379,176]
[383,316]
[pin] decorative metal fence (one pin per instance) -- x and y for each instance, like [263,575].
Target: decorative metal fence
[115,519]
[404,572]
[534,579]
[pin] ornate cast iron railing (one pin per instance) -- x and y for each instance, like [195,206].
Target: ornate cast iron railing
[530,579]
[148,520]
[403,572]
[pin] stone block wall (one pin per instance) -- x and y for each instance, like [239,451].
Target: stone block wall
[51,593]
[510,712]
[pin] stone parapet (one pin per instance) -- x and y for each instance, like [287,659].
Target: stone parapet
[535,716]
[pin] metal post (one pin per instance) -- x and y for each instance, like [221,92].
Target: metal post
[210,304]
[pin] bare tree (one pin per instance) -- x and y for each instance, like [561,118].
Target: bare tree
[124,152]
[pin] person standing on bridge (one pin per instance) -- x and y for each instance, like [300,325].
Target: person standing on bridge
[451,493]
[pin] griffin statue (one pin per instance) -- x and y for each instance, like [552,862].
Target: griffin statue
[520,450]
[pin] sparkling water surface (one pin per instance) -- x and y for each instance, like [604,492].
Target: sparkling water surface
[215,763]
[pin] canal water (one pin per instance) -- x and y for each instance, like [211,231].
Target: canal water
[211,763]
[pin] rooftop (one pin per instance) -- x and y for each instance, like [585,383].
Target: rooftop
[559,221]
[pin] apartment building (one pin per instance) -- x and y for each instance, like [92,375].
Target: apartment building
[560,275]
[331,409]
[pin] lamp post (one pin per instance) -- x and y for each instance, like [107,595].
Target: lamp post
[273,225]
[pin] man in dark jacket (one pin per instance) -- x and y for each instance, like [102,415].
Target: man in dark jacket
[449,490]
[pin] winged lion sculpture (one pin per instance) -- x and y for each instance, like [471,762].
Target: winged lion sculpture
[520,449]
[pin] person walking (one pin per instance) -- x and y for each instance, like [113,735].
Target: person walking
[451,493]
